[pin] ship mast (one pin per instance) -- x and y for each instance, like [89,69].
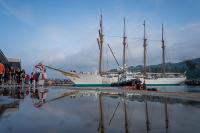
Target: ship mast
[163,53]
[124,47]
[100,41]
[145,51]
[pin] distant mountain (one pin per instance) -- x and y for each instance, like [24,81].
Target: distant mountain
[191,67]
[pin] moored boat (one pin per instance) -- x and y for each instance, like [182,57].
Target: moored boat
[103,78]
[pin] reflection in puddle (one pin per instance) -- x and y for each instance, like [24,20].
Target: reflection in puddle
[38,96]
[65,110]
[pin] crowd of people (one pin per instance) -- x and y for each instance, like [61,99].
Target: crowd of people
[11,75]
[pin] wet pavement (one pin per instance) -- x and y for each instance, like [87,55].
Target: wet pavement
[56,110]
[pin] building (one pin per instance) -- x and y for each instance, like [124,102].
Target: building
[15,62]
[3,58]
[8,62]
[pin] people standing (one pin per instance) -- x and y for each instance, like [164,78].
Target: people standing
[2,71]
[32,78]
[18,76]
[12,75]
[22,76]
[27,79]
[7,75]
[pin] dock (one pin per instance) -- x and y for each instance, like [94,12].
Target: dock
[192,82]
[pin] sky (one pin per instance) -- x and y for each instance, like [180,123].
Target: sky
[62,33]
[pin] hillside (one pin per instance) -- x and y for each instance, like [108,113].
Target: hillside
[191,67]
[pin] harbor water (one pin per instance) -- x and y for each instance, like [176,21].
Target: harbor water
[82,112]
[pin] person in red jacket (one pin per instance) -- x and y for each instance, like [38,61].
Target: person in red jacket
[2,71]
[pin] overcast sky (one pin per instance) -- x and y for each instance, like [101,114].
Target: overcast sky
[63,33]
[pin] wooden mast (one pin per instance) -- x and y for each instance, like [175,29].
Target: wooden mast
[100,41]
[145,52]
[163,53]
[124,47]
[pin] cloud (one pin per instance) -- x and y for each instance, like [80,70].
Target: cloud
[23,14]
[71,44]
[61,45]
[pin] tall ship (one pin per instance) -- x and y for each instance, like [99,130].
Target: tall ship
[106,78]
[157,79]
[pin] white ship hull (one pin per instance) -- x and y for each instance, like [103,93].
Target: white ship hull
[156,79]
[93,79]
[164,81]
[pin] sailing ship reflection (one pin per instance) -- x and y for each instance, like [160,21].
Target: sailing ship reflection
[101,128]
[125,117]
[101,122]
[125,99]
[166,116]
